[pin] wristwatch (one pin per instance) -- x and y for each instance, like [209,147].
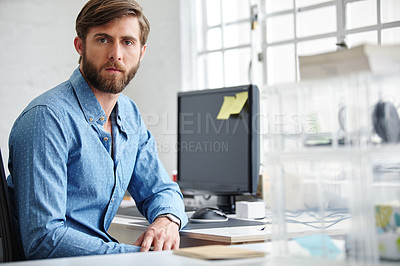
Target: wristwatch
[171,217]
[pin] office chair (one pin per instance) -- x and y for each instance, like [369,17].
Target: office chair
[12,250]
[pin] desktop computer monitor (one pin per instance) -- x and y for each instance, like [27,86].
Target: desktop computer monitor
[218,142]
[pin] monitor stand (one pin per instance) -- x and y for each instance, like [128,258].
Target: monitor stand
[226,203]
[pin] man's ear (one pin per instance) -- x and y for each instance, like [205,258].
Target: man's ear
[143,51]
[78,43]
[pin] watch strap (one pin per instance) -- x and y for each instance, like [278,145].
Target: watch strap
[172,218]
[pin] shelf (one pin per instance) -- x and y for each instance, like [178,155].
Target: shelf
[339,153]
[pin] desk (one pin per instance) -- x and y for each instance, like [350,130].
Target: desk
[168,258]
[128,224]
[127,229]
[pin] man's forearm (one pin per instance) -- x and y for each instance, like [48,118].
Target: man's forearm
[72,242]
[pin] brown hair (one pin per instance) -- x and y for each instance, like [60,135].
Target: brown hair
[99,12]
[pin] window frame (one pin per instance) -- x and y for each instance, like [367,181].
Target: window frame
[259,45]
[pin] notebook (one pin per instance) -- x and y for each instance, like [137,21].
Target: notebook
[218,252]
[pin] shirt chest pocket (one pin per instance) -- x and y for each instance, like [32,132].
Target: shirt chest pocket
[90,167]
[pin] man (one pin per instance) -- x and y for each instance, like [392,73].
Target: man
[77,148]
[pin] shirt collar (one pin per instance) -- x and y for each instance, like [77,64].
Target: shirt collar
[91,108]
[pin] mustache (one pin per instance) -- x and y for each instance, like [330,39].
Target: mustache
[115,65]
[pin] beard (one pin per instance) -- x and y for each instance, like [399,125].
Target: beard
[111,83]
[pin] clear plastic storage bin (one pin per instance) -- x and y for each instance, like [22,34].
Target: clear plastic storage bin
[333,164]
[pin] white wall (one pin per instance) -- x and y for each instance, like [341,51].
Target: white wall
[159,78]
[37,53]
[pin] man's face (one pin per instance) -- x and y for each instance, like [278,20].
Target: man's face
[111,54]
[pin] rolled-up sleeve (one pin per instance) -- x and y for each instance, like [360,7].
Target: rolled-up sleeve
[154,192]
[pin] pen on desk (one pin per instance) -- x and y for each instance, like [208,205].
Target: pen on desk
[262,229]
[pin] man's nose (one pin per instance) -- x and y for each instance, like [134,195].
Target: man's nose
[115,52]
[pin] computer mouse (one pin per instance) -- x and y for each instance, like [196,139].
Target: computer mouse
[207,215]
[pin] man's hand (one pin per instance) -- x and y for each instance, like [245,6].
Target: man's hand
[162,234]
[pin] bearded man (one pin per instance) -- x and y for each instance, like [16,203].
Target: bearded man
[78,147]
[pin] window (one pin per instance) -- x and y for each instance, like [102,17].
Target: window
[228,48]
[223,48]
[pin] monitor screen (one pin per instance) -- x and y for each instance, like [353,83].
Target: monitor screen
[218,142]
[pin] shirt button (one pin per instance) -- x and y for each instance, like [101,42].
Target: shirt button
[90,119]
[102,118]
[105,139]
[112,200]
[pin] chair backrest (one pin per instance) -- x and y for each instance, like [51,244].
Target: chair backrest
[12,250]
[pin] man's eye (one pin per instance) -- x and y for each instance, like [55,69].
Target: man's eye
[102,40]
[128,42]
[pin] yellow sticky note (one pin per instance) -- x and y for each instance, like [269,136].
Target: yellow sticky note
[232,105]
[237,106]
[225,110]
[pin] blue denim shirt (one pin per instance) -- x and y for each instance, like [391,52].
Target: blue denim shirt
[64,183]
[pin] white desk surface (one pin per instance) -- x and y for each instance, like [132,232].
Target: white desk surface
[230,235]
[236,235]
[168,258]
